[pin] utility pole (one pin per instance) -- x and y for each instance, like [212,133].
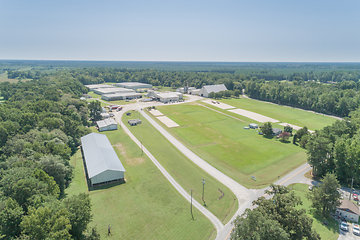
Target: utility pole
[192,216]
[203,183]
[352,182]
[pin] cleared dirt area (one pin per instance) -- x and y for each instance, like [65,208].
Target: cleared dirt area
[168,122]
[155,112]
[129,160]
[218,104]
[255,116]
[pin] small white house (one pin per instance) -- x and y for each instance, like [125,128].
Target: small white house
[206,90]
[107,125]
[348,210]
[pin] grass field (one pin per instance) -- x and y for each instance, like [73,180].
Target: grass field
[283,113]
[146,206]
[329,232]
[237,152]
[185,172]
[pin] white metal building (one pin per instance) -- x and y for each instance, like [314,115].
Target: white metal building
[133,85]
[96,86]
[206,90]
[348,210]
[112,90]
[121,96]
[169,97]
[107,124]
[101,161]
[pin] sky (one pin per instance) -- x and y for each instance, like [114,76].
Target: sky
[223,30]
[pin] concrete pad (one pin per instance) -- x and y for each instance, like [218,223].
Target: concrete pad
[155,112]
[218,104]
[294,127]
[255,116]
[291,125]
[168,122]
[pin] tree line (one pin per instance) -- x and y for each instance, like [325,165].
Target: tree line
[41,123]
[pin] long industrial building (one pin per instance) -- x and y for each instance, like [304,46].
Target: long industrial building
[121,96]
[133,85]
[102,164]
[112,90]
[96,86]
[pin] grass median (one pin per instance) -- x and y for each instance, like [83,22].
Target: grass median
[219,199]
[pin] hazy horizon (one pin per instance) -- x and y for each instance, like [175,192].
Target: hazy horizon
[184,31]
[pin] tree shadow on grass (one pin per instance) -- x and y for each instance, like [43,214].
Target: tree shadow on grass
[329,222]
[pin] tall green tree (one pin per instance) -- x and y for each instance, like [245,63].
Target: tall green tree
[326,197]
[267,129]
[95,110]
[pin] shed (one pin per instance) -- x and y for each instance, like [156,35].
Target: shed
[106,125]
[134,122]
[348,210]
[276,131]
[253,125]
[206,90]
[102,164]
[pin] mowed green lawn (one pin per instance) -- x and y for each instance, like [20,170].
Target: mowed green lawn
[286,114]
[328,232]
[146,206]
[185,172]
[237,152]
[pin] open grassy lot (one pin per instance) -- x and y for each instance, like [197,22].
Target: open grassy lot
[329,232]
[237,152]
[283,113]
[219,199]
[146,206]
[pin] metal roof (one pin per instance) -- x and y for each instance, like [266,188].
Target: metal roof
[134,84]
[95,86]
[215,88]
[105,122]
[99,155]
[169,95]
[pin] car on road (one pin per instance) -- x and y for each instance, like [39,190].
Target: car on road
[356,197]
[356,230]
[344,226]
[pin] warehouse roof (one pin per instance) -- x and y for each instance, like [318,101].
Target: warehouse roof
[95,86]
[168,94]
[215,88]
[105,122]
[99,154]
[113,90]
[122,94]
[134,84]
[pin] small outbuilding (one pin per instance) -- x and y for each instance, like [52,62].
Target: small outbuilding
[107,125]
[102,164]
[276,131]
[253,126]
[134,122]
[348,210]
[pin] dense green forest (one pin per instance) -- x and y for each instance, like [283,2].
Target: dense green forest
[40,128]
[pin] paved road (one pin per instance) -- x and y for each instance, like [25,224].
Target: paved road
[215,221]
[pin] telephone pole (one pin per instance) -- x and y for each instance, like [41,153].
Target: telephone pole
[351,190]
[203,183]
[192,216]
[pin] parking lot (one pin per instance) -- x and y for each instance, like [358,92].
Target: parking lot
[348,235]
